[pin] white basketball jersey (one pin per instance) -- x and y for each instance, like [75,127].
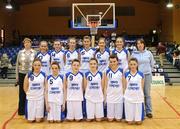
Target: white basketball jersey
[103,60]
[134,92]
[114,86]
[86,55]
[123,58]
[55,89]
[36,86]
[74,86]
[94,91]
[70,56]
[58,57]
[45,60]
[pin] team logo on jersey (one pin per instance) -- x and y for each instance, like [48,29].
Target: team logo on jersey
[31,77]
[68,55]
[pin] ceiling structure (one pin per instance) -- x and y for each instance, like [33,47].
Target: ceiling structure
[21,2]
[18,3]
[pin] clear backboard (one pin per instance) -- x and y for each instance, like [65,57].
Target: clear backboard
[87,15]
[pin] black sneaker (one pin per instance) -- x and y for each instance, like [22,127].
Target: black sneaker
[149,115]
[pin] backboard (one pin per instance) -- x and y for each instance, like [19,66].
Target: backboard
[85,13]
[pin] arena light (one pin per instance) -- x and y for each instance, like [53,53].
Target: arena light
[9,6]
[169,4]
[154,31]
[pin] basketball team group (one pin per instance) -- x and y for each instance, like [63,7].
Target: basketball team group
[85,84]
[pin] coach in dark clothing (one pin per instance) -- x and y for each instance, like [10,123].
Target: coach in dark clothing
[23,66]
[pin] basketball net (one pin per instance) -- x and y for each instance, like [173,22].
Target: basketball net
[93,27]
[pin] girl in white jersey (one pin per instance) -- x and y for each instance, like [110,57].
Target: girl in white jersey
[134,96]
[121,53]
[94,82]
[102,55]
[57,55]
[70,54]
[86,53]
[55,102]
[74,92]
[114,90]
[45,57]
[34,84]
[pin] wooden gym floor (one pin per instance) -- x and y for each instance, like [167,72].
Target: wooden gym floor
[166,111]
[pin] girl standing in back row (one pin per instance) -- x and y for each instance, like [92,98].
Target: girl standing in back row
[45,57]
[102,55]
[121,53]
[86,53]
[70,54]
[57,55]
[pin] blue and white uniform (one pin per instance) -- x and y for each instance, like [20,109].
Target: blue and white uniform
[55,96]
[45,60]
[122,57]
[114,94]
[85,56]
[58,57]
[103,60]
[74,95]
[70,56]
[134,97]
[145,65]
[94,95]
[35,96]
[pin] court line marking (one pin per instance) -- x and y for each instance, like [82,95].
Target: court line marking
[7,121]
[163,98]
[169,104]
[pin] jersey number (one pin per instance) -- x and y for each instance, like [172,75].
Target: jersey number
[129,77]
[40,57]
[70,77]
[90,78]
[51,81]
[110,75]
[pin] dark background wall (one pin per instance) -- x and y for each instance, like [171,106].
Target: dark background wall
[33,19]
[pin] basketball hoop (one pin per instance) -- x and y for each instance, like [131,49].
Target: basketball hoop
[93,27]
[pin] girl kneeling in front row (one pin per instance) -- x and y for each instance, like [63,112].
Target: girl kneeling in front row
[134,96]
[94,82]
[55,102]
[34,84]
[114,90]
[74,92]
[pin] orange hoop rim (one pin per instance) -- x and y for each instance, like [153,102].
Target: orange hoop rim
[93,24]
